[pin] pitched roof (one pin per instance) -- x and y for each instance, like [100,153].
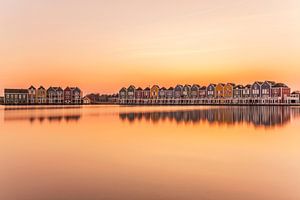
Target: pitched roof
[277,85]
[21,91]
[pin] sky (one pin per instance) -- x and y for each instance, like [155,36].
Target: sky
[103,45]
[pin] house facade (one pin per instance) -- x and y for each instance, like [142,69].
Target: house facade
[178,91]
[41,95]
[195,91]
[55,95]
[32,95]
[154,92]
[139,93]
[186,93]
[162,93]
[16,96]
[211,91]
[123,93]
[146,93]
[228,90]
[256,91]
[220,91]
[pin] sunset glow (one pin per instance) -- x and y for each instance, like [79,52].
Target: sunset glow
[104,45]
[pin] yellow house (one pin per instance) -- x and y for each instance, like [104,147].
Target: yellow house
[41,95]
[154,92]
[220,90]
[228,90]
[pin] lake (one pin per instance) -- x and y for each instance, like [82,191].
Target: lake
[155,153]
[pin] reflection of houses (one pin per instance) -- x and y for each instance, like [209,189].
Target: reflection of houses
[259,116]
[16,96]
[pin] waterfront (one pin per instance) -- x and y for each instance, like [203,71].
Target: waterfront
[176,152]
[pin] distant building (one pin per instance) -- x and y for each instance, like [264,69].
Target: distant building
[220,90]
[170,93]
[41,95]
[280,93]
[123,93]
[55,95]
[228,90]
[211,91]
[131,92]
[32,95]
[16,96]
[178,91]
[154,92]
[203,92]
[162,93]
[139,93]
[72,95]
[1,100]
[86,100]
[256,91]
[186,93]
[195,91]
[146,93]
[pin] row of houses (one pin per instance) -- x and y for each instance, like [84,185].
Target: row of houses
[268,92]
[40,96]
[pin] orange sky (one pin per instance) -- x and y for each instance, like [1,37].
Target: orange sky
[104,45]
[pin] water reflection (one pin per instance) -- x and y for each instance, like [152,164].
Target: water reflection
[257,116]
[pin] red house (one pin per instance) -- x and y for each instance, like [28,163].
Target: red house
[280,92]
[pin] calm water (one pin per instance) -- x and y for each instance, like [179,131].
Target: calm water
[159,153]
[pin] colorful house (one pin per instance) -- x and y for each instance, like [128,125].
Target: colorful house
[238,91]
[76,95]
[146,93]
[154,92]
[55,95]
[131,92]
[256,90]
[170,93]
[32,95]
[139,93]
[186,93]
[123,93]
[15,96]
[195,91]
[228,90]
[162,93]
[41,95]
[178,91]
[211,91]
[202,92]
[247,91]
[266,88]
[220,90]
[280,92]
